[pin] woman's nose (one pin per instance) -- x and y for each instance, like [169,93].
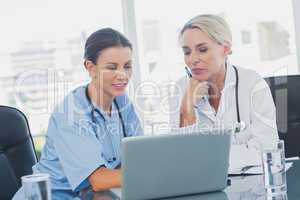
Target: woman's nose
[195,59]
[122,74]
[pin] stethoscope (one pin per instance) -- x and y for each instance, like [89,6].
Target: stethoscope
[114,158]
[240,125]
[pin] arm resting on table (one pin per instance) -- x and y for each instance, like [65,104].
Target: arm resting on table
[104,179]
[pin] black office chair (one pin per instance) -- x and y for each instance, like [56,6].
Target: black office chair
[286,94]
[17,152]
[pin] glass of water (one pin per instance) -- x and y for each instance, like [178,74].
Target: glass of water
[274,170]
[36,187]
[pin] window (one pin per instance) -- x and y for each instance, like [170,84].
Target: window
[41,51]
[42,47]
[263,39]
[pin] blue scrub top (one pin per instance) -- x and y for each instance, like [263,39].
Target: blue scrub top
[76,146]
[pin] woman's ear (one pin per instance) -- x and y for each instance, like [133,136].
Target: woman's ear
[227,48]
[90,67]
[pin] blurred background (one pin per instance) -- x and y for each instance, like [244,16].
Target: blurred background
[42,42]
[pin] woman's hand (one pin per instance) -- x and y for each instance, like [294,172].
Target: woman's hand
[193,94]
[196,90]
[105,179]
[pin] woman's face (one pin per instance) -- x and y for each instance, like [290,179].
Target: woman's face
[113,70]
[202,55]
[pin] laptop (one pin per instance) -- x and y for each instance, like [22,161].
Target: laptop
[173,165]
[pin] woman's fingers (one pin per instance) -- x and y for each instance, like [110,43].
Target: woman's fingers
[197,90]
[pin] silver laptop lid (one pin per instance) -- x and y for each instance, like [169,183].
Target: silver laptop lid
[170,165]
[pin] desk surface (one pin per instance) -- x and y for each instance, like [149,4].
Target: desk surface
[242,187]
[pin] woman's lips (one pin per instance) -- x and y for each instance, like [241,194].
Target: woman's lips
[198,71]
[119,86]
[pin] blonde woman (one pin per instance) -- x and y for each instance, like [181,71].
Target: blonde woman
[216,92]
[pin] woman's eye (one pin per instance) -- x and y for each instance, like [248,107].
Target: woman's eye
[127,66]
[186,53]
[203,49]
[111,67]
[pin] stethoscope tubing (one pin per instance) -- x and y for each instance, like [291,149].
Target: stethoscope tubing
[93,109]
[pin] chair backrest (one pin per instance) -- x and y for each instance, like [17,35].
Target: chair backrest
[17,153]
[286,94]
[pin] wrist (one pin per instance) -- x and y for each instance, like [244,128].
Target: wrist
[187,104]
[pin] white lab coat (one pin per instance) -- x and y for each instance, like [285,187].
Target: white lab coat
[256,107]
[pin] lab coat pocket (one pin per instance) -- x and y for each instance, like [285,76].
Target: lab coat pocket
[242,137]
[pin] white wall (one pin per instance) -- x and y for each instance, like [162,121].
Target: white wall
[296,8]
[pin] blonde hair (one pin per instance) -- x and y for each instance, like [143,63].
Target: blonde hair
[214,26]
